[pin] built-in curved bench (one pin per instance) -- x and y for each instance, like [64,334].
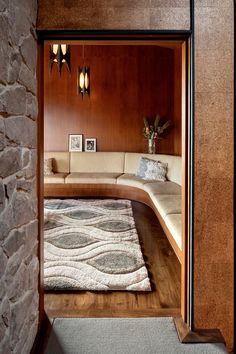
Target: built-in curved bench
[108,174]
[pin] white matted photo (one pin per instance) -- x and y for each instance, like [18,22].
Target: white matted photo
[90,145]
[75,142]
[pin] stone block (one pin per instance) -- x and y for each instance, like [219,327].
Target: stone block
[4,26]
[19,28]
[31,106]
[28,186]
[28,50]
[10,62]
[14,67]
[21,130]
[31,255]
[33,270]
[25,157]
[3,262]
[19,284]
[27,78]
[23,337]
[14,156]
[22,208]
[14,241]
[31,241]
[6,221]
[13,100]
[13,265]
[4,5]
[5,312]
[2,131]
[5,52]
[2,331]
[2,101]
[5,344]
[2,288]
[2,126]
[27,8]
[19,310]
[28,329]
[30,338]
[2,141]
[11,186]
[30,170]
[32,229]
[34,202]
[2,197]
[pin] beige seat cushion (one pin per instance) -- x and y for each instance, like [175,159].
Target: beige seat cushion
[174,224]
[167,204]
[163,188]
[91,178]
[174,170]
[60,162]
[131,180]
[97,162]
[55,178]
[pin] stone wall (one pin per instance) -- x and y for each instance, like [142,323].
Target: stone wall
[18,158]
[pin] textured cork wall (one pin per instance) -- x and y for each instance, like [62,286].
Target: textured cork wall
[18,199]
[114,14]
[213,217]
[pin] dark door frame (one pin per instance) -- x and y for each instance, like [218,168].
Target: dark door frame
[187,143]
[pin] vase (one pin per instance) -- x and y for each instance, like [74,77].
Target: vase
[151,146]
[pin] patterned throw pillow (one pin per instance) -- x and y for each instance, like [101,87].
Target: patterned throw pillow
[48,167]
[152,170]
[142,167]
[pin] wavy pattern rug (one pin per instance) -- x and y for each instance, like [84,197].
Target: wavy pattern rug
[92,245]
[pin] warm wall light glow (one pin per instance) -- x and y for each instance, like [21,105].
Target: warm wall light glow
[59,54]
[55,48]
[83,81]
[86,81]
[64,49]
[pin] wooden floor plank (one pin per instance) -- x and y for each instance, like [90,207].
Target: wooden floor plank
[164,271]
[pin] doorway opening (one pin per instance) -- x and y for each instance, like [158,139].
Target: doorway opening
[129,78]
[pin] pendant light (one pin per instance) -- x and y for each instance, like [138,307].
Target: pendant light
[59,54]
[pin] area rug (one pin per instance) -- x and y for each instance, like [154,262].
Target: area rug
[122,336]
[92,245]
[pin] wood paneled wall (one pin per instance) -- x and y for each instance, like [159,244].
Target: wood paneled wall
[127,83]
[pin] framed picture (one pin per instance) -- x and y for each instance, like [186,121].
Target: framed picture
[90,145]
[75,142]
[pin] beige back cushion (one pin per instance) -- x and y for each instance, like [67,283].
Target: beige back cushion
[97,162]
[174,170]
[60,162]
